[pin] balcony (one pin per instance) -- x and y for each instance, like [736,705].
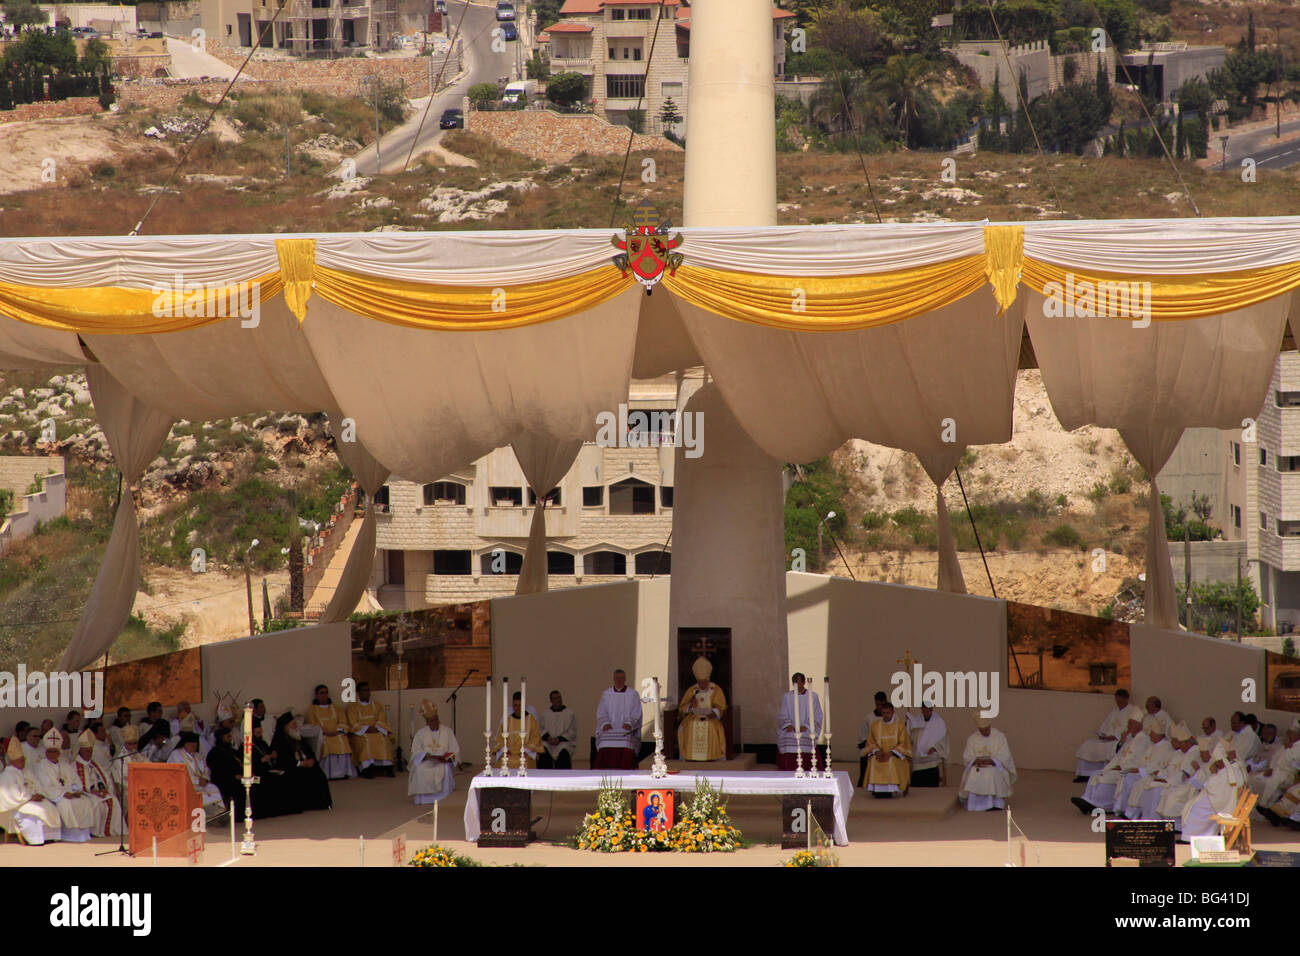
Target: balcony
[1281,552]
[572,64]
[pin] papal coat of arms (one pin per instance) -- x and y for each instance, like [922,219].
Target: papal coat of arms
[647,247]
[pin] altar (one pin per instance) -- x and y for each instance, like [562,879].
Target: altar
[728,783]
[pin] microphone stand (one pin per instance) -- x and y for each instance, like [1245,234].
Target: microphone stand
[454,695]
[121,795]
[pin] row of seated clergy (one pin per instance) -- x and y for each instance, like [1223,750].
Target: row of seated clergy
[901,752]
[1278,782]
[354,739]
[53,799]
[290,779]
[1162,771]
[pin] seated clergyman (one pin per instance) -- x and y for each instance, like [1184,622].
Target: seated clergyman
[1222,787]
[1145,793]
[1281,771]
[699,733]
[372,745]
[1100,791]
[56,781]
[559,727]
[187,754]
[889,752]
[1094,752]
[880,698]
[990,770]
[513,737]
[434,755]
[96,783]
[336,752]
[35,819]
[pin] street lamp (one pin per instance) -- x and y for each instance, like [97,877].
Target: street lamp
[1223,142]
[248,585]
[374,80]
[829,516]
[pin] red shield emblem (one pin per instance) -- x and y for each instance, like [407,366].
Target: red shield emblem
[647,247]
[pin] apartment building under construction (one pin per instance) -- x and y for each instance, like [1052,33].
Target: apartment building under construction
[306,26]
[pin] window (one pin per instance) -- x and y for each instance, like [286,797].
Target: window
[593,496]
[604,562]
[451,562]
[671,91]
[639,13]
[444,492]
[1102,675]
[1288,399]
[1288,529]
[506,497]
[617,14]
[395,567]
[381,500]
[1236,516]
[666,496]
[1263,455]
[613,54]
[1288,463]
[631,497]
[636,52]
[654,562]
[500,561]
[624,87]
[559,562]
[552,497]
[1263,520]
[1236,454]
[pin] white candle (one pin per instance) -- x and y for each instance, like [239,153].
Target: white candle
[505,721]
[826,707]
[657,728]
[798,741]
[487,699]
[523,716]
[248,740]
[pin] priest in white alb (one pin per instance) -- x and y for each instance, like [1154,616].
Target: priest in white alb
[990,769]
[1282,771]
[56,781]
[788,745]
[929,746]
[98,785]
[1177,796]
[1243,743]
[618,726]
[1144,794]
[434,755]
[34,818]
[130,754]
[1219,796]
[1094,752]
[187,754]
[1100,791]
[1155,756]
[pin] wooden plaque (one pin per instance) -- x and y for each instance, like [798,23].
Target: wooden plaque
[794,825]
[160,803]
[504,815]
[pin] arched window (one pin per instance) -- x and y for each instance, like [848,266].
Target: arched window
[559,562]
[654,562]
[500,561]
[444,492]
[631,496]
[604,562]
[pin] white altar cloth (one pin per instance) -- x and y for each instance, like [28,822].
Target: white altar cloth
[728,782]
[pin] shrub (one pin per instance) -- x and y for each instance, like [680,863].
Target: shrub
[1120,483]
[565,88]
[435,855]
[1063,536]
[1288,646]
[1097,494]
[874,520]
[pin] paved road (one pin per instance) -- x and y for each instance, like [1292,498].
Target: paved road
[1261,145]
[482,66]
[189,62]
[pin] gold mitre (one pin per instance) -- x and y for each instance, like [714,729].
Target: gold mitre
[702,669]
[86,740]
[1180,732]
[129,734]
[15,750]
[428,709]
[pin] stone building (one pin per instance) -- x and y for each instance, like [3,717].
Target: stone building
[609,519]
[632,52]
[304,26]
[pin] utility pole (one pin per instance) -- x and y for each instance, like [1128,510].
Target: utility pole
[374,80]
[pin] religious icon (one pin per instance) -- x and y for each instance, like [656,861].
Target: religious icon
[654,810]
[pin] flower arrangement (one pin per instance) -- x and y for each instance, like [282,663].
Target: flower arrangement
[612,828]
[435,855]
[702,824]
[822,856]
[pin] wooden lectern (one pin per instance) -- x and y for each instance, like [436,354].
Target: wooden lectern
[162,803]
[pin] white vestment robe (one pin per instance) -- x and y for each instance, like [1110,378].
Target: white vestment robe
[432,779]
[557,724]
[810,712]
[1153,759]
[1285,767]
[201,779]
[36,820]
[983,788]
[1245,743]
[1219,795]
[94,782]
[77,813]
[1100,791]
[1146,793]
[927,735]
[1094,752]
[616,709]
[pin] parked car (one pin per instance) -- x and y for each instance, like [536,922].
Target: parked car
[84,33]
[505,10]
[440,6]
[508,32]
[452,119]
[156,35]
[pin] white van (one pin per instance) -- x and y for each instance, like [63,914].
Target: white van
[516,92]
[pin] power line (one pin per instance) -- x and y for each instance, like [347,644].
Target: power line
[427,106]
[631,133]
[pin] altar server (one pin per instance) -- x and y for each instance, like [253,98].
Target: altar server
[618,726]
[559,727]
[990,770]
[929,746]
[434,755]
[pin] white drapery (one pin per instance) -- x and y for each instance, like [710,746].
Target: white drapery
[135,432]
[544,462]
[371,475]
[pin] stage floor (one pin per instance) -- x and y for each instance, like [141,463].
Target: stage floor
[882,832]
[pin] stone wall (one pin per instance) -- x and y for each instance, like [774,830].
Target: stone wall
[50,109]
[555,137]
[338,77]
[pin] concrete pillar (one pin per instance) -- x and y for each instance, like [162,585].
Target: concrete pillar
[730,118]
[728,515]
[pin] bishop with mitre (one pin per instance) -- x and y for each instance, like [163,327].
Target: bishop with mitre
[54,780]
[434,755]
[990,770]
[700,735]
[889,754]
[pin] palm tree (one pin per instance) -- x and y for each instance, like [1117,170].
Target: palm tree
[904,81]
[843,104]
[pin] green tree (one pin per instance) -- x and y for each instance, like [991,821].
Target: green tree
[566,88]
[669,114]
[20,14]
[95,57]
[904,82]
[481,93]
[852,36]
[820,490]
[548,12]
[42,52]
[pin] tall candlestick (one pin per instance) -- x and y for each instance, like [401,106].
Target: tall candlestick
[523,724]
[826,725]
[658,730]
[505,726]
[658,767]
[798,739]
[248,740]
[487,727]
